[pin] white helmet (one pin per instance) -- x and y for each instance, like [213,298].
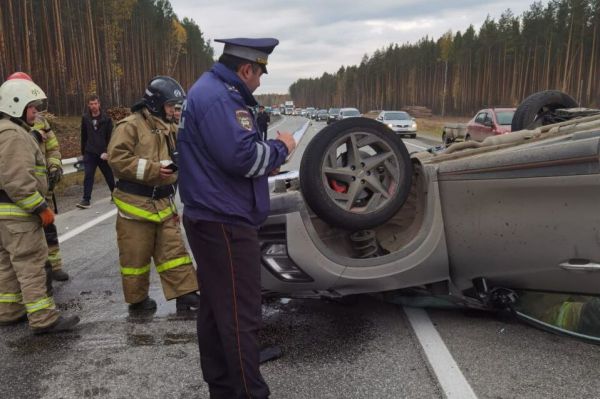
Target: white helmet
[16,94]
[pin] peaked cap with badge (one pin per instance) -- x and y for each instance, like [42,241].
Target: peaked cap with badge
[255,50]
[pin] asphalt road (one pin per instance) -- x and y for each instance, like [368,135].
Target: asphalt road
[364,349]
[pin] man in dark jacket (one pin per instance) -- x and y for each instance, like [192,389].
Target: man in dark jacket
[96,129]
[262,120]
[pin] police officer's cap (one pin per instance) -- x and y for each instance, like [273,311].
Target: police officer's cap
[255,50]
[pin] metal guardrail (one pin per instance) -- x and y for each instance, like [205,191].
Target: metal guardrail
[69,166]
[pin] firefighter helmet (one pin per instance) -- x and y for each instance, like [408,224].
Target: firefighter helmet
[16,94]
[160,91]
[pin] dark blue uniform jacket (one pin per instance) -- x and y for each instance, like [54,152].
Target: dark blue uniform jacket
[223,163]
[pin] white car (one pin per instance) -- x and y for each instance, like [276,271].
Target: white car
[400,122]
[346,113]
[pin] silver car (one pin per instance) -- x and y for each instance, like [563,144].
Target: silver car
[474,223]
[400,122]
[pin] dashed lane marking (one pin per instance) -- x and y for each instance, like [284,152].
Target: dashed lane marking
[85,226]
[451,380]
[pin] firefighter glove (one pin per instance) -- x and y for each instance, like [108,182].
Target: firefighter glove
[47,217]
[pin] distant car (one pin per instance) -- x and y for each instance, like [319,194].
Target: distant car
[490,122]
[275,111]
[400,122]
[332,117]
[346,113]
[322,115]
[313,113]
[486,122]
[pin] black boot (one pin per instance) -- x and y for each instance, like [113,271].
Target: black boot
[147,304]
[188,301]
[21,319]
[270,353]
[61,324]
[59,275]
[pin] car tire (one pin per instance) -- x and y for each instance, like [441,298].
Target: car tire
[377,185]
[536,109]
[413,136]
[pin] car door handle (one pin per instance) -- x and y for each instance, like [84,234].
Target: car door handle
[580,265]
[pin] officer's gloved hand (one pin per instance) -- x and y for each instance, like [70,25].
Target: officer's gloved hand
[47,217]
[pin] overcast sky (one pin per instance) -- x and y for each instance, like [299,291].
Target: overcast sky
[321,36]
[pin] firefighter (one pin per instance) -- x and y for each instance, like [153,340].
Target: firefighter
[24,292]
[48,144]
[142,154]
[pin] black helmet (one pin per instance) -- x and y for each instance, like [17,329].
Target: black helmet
[160,91]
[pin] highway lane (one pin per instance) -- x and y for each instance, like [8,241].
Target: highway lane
[365,349]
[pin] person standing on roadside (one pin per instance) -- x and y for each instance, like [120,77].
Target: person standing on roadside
[223,173]
[96,131]
[24,290]
[263,119]
[143,157]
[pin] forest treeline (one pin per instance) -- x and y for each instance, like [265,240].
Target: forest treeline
[552,46]
[73,48]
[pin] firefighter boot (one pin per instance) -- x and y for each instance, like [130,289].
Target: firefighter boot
[188,301]
[61,324]
[145,305]
[59,275]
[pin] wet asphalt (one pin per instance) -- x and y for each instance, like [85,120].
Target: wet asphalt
[358,349]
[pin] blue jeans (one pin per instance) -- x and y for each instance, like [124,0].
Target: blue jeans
[91,162]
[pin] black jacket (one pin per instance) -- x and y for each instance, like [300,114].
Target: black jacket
[263,119]
[95,140]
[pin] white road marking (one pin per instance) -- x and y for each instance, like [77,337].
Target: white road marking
[416,146]
[85,226]
[453,383]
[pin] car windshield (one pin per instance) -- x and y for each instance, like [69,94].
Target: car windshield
[333,111]
[396,116]
[350,112]
[505,117]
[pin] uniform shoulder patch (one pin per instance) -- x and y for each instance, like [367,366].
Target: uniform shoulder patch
[244,119]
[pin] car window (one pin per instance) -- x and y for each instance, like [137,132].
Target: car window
[334,111]
[505,117]
[351,112]
[481,117]
[398,116]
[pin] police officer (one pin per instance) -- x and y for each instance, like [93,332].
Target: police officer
[141,153]
[49,146]
[224,167]
[24,293]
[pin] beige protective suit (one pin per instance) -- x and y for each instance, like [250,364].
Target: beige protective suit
[147,226]
[23,249]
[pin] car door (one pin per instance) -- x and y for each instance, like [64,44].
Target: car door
[476,126]
[487,126]
[526,217]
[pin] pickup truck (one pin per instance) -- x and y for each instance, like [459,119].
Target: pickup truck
[487,122]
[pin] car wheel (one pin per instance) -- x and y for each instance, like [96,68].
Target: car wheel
[413,136]
[356,175]
[445,140]
[538,109]
[468,137]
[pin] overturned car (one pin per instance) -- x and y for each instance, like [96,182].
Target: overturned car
[475,223]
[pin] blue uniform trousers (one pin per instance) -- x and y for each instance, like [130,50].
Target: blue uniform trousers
[229,317]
